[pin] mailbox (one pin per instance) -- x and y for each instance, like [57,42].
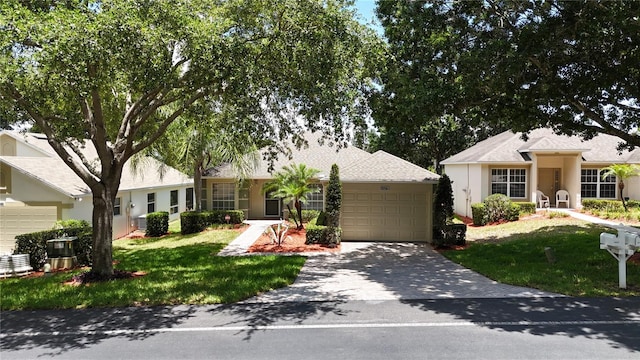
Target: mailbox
[621,247]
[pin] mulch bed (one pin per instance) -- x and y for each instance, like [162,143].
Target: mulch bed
[295,244]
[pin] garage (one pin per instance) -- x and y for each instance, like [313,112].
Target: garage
[386,212]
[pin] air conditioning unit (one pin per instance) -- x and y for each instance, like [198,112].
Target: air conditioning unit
[142,222]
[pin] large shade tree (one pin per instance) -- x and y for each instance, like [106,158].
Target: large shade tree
[573,66]
[114,74]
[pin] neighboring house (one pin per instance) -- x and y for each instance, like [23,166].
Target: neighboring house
[384,197]
[547,162]
[31,173]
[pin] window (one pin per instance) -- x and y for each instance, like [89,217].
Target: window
[151,202]
[315,200]
[592,185]
[510,182]
[223,197]
[173,202]
[189,199]
[243,196]
[117,207]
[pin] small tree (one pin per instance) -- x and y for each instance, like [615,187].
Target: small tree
[334,197]
[292,184]
[621,172]
[443,202]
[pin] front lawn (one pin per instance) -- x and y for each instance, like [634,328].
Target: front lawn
[179,270]
[513,253]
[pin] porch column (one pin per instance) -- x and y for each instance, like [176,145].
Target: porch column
[533,179]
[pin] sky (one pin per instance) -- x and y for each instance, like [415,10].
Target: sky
[366,8]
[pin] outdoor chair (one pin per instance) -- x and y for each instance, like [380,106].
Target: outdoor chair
[562,196]
[543,200]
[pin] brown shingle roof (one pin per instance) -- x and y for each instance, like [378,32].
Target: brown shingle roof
[355,165]
[53,172]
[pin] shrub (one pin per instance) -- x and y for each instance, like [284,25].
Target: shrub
[449,235]
[35,244]
[334,197]
[527,207]
[157,223]
[308,215]
[498,207]
[602,205]
[71,223]
[443,202]
[479,214]
[513,213]
[320,234]
[321,219]
[192,222]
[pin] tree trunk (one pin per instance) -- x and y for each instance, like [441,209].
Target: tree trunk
[621,187]
[298,206]
[197,185]
[103,203]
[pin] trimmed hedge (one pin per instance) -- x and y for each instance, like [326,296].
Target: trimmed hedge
[479,214]
[35,244]
[450,235]
[499,207]
[157,224]
[527,207]
[320,234]
[192,222]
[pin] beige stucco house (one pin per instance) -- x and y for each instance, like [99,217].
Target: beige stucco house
[37,188]
[384,198]
[547,162]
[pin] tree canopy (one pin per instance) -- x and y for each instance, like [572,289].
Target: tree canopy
[573,66]
[117,73]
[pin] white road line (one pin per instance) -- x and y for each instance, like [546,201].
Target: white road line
[319,326]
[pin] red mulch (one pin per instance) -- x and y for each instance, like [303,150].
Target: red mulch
[295,244]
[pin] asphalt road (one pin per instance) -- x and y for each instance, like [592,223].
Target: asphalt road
[517,328]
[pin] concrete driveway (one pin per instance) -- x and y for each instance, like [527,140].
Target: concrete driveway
[389,271]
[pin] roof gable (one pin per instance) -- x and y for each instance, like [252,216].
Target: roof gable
[507,147]
[355,164]
[54,173]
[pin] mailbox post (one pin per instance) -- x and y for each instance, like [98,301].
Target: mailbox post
[621,247]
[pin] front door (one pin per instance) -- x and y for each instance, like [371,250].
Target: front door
[271,205]
[549,182]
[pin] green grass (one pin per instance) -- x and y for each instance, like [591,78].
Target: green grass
[513,253]
[180,270]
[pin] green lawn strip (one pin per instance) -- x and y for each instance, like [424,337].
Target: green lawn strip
[180,270]
[517,257]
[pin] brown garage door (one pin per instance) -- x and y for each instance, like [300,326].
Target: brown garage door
[396,212]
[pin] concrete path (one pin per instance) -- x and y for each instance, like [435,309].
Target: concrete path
[389,271]
[385,271]
[239,246]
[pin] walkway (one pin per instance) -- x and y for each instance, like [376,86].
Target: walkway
[239,246]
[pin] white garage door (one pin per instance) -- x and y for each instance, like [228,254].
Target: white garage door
[396,212]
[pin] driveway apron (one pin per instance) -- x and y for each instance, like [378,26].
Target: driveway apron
[389,271]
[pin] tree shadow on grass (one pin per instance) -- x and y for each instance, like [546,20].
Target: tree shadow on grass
[80,329]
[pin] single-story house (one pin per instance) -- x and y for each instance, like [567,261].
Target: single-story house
[547,162]
[384,197]
[35,181]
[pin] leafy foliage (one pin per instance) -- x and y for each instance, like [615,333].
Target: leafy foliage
[35,244]
[292,185]
[116,73]
[334,197]
[443,202]
[194,222]
[479,214]
[157,223]
[526,207]
[569,65]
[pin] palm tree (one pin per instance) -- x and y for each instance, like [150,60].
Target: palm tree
[292,184]
[621,172]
